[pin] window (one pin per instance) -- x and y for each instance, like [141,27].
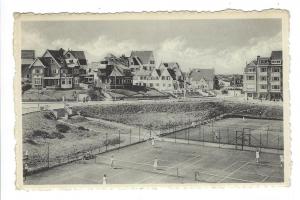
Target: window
[275,87]
[251,69]
[90,70]
[37,71]
[37,81]
[76,81]
[27,75]
[249,94]
[162,78]
[71,61]
[70,81]
[250,77]
[152,62]
[263,86]
[263,61]
[63,81]
[275,69]
[264,69]
[263,78]
[275,78]
[151,84]
[168,77]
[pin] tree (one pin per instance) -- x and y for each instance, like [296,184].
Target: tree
[216,83]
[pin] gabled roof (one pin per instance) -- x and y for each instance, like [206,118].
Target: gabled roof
[58,56]
[27,54]
[276,55]
[46,62]
[80,56]
[198,74]
[172,73]
[158,72]
[143,56]
[171,65]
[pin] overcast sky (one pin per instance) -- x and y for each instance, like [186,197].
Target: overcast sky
[225,45]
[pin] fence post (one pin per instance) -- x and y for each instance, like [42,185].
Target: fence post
[260,140]
[199,132]
[48,155]
[219,139]
[203,134]
[188,132]
[278,142]
[227,135]
[106,142]
[130,136]
[139,133]
[268,136]
[235,139]
[175,136]
[119,139]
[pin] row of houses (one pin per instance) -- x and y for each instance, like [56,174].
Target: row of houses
[55,69]
[65,69]
[263,77]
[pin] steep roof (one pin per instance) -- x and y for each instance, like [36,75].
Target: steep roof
[80,56]
[198,74]
[172,73]
[143,56]
[58,55]
[171,65]
[27,54]
[276,55]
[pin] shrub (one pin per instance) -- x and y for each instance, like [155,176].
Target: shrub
[49,115]
[26,87]
[40,133]
[62,128]
[81,128]
[57,135]
[112,142]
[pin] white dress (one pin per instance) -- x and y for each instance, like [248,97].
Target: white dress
[104,180]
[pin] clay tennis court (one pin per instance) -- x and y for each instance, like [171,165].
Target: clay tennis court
[177,163]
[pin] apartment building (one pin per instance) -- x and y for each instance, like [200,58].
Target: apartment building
[263,77]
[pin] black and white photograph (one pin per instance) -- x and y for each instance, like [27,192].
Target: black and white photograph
[152,99]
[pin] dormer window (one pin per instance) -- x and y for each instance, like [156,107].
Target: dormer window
[68,55]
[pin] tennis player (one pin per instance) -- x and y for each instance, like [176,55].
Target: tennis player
[104,179]
[155,164]
[153,142]
[257,155]
[281,160]
[112,161]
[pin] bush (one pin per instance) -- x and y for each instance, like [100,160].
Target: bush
[81,128]
[57,135]
[25,88]
[40,133]
[112,142]
[48,115]
[62,128]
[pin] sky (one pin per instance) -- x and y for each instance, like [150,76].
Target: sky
[225,45]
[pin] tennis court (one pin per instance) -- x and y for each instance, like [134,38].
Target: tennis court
[177,163]
[258,133]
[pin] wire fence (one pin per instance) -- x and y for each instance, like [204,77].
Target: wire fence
[48,156]
[257,137]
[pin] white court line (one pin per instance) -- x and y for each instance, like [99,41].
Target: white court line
[175,166]
[227,176]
